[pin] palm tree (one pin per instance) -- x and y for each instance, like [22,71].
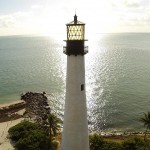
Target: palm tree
[146,121]
[54,125]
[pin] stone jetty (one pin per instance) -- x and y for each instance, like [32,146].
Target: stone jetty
[37,107]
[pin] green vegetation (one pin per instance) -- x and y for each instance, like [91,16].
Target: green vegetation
[97,142]
[146,121]
[54,125]
[41,134]
[28,136]
[134,143]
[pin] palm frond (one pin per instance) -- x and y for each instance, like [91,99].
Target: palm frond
[146,120]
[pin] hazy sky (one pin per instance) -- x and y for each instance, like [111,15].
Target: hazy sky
[50,16]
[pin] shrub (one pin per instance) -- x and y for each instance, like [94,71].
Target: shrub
[136,143]
[98,143]
[27,136]
[36,140]
[20,130]
[111,146]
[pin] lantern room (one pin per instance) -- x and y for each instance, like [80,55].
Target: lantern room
[75,30]
[75,38]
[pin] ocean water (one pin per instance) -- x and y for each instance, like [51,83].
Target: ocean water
[117,75]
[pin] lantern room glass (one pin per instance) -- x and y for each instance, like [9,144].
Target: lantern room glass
[75,32]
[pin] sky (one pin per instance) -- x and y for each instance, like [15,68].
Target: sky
[19,17]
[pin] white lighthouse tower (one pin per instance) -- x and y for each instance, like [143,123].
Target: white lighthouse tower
[75,126]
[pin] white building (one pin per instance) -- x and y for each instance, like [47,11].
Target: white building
[75,126]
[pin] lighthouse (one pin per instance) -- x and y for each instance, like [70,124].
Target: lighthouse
[75,125]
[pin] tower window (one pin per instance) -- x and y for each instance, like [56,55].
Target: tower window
[82,87]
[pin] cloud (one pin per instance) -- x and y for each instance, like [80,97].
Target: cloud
[99,15]
[7,21]
[39,19]
[135,18]
[132,15]
[130,4]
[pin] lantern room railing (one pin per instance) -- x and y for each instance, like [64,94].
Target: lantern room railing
[85,51]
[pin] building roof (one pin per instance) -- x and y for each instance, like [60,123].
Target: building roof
[75,22]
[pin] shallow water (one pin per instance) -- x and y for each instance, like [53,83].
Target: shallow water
[117,75]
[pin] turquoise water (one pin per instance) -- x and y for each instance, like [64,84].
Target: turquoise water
[117,75]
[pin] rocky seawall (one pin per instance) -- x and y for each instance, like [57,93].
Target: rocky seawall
[9,112]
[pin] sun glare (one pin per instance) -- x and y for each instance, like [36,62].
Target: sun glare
[99,17]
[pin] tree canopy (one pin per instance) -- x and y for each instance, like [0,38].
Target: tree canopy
[27,136]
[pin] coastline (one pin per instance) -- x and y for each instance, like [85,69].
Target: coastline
[11,113]
[106,133]
[9,103]
[5,143]
[4,127]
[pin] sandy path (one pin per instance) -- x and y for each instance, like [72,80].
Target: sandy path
[4,127]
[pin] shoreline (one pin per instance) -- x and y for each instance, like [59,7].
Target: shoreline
[21,107]
[4,127]
[13,114]
[12,111]
[5,104]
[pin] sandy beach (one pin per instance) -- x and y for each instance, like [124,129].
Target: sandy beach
[13,113]
[4,126]
[4,140]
